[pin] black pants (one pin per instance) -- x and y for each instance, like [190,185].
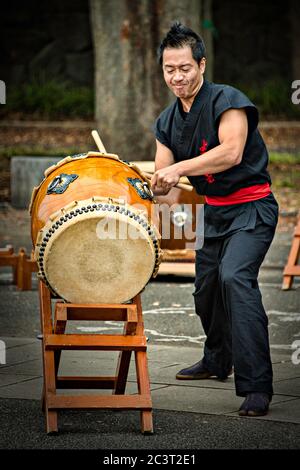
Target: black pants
[229,304]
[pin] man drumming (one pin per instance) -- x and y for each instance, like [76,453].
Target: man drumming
[209,134]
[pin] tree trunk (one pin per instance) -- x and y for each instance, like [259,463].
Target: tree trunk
[207,35]
[130,91]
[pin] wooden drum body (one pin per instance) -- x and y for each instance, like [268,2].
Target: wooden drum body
[95,234]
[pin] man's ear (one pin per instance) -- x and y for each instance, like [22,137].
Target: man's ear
[202,65]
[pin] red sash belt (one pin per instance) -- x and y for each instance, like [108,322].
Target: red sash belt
[252,193]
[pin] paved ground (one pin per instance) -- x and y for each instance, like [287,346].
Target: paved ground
[187,415]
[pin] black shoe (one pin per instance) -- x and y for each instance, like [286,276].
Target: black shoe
[197,372]
[255,404]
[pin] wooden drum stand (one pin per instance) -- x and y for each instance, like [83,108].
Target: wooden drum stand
[55,341]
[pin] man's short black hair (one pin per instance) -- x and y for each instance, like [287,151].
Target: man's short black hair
[181,36]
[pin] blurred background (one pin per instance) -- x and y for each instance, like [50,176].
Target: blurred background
[73,65]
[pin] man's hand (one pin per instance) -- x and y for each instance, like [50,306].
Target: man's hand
[164,179]
[164,161]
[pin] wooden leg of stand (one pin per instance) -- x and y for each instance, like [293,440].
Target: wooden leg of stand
[291,267]
[15,273]
[48,358]
[21,269]
[60,322]
[142,373]
[287,282]
[122,372]
[144,389]
[50,388]
[43,298]
[125,356]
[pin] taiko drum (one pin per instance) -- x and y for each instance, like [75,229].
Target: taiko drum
[94,230]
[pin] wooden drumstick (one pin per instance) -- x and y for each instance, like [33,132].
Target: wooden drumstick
[185,187]
[98,141]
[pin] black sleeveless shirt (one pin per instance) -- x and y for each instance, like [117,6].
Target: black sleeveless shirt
[196,132]
[189,135]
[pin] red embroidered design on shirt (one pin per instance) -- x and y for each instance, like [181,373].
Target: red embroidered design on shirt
[209,178]
[203,146]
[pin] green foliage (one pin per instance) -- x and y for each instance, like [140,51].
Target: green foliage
[50,99]
[285,170]
[55,99]
[284,158]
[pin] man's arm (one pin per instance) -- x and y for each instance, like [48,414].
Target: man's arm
[164,158]
[233,131]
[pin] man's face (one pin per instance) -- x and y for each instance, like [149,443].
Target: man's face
[182,74]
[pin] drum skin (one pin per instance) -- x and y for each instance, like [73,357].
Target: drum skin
[75,262]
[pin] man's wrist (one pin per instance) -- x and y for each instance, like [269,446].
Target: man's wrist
[180,167]
[191,167]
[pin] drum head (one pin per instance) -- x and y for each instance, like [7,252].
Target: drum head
[98,258]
